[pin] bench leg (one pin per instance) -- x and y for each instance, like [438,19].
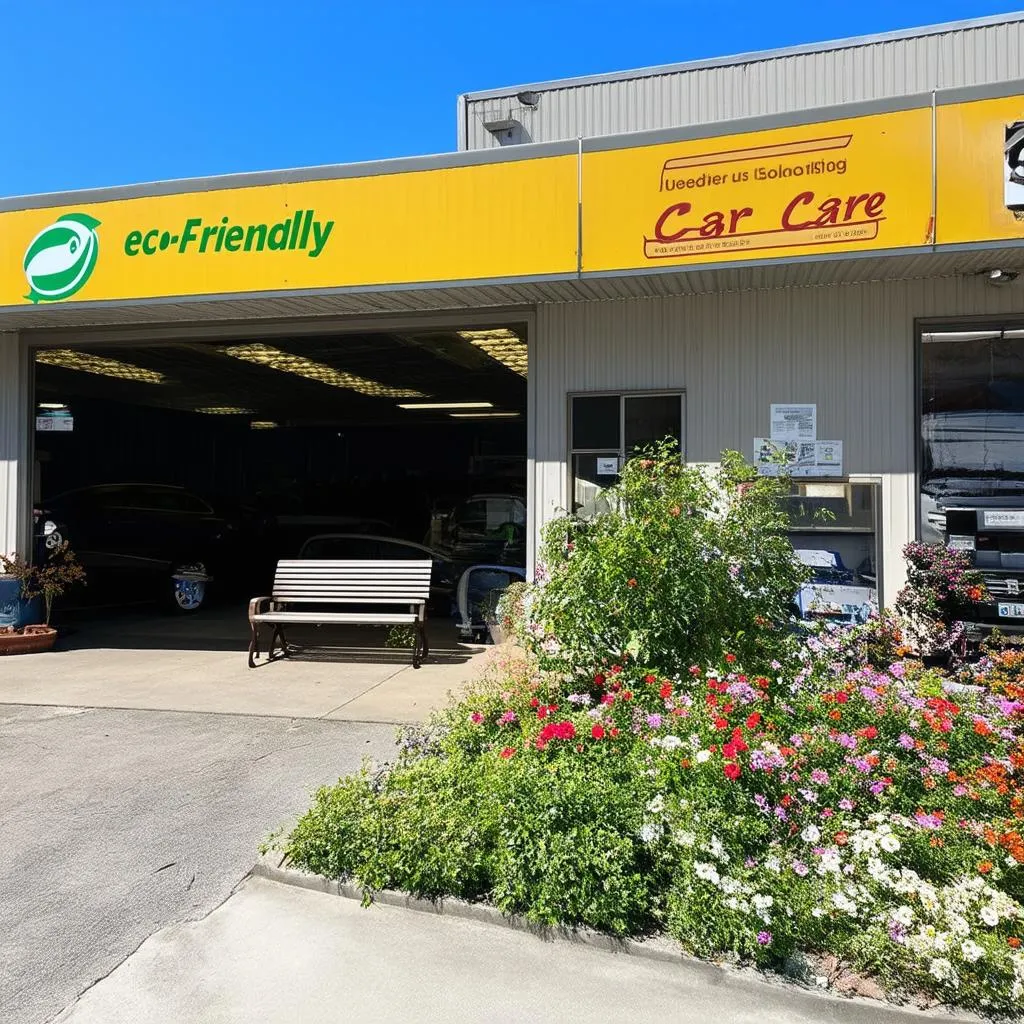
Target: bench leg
[277,636]
[254,644]
[421,649]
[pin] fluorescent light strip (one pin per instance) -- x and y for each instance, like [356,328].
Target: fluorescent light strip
[483,415]
[53,405]
[225,410]
[262,425]
[288,362]
[445,405]
[102,366]
[502,345]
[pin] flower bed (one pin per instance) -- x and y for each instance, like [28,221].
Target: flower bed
[829,796]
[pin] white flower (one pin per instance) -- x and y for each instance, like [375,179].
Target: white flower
[649,833]
[971,951]
[810,834]
[685,838]
[903,915]
[701,756]
[877,870]
[671,743]
[844,903]
[817,912]
[940,969]
[830,863]
[989,915]
[657,805]
[889,843]
[694,741]
[731,885]
[732,903]
[773,864]
[706,871]
[716,849]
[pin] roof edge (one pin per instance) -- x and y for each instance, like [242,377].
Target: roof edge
[749,57]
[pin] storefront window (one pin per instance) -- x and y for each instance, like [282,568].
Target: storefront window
[972,423]
[607,429]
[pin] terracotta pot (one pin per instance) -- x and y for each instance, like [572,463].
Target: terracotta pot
[31,640]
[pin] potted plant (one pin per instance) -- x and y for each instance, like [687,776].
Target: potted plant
[47,581]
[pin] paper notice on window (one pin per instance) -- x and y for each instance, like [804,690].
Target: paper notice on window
[607,467]
[794,422]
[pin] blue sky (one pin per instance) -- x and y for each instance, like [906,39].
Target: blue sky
[118,91]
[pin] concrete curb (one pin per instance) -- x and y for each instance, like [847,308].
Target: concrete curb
[831,1007]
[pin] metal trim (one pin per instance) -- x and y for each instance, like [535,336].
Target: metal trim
[750,57]
[327,172]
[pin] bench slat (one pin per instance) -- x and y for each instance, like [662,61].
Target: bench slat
[328,618]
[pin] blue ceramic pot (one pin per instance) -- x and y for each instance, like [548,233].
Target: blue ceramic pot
[14,609]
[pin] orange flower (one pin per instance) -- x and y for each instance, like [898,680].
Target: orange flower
[1013,942]
[841,838]
[985,867]
[835,715]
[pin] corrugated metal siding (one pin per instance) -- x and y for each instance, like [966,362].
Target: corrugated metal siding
[13,446]
[969,56]
[849,348]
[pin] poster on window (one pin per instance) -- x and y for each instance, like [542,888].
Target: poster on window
[798,458]
[794,422]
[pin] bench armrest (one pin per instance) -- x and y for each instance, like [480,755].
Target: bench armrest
[255,606]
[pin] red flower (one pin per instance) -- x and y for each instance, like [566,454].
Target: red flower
[786,800]
[869,732]
[650,678]
[730,658]
[534,702]
[666,690]
[841,838]
[615,732]
[542,711]
[507,752]
[599,679]
[727,709]
[842,697]
[835,715]
[729,750]
[627,694]
[631,582]
[597,732]
[732,771]
[721,723]
[1013,942]
[754,720]
[565,730]
[608,698]
[616,669]
[711,699]
[982,727]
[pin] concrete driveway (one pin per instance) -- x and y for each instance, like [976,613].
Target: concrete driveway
[140,659]
[114,824]
[280,955]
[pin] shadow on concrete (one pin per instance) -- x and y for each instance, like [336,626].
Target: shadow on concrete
[226,628]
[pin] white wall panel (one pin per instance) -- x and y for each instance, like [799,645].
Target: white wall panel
[753,87]
[14,443]
[848,348]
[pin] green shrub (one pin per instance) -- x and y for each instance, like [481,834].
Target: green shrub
[683,565]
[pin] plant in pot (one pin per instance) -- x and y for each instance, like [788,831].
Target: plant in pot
[48,581]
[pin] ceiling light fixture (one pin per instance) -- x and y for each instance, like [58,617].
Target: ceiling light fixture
[502,345]
[288,362]
[53,405]
[262,425]
[102,366]
[225,410]
[483,415]
[445,405]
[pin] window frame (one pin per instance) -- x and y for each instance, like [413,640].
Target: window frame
[621,395]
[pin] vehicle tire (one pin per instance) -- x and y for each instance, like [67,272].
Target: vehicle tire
[186,595]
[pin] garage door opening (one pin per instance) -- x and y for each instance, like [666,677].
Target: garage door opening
[181,471]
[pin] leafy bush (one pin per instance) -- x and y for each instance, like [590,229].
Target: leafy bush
[683,565]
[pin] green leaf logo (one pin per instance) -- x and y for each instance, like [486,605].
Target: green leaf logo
[61,258]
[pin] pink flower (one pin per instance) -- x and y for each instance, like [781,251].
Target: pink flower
[476,718]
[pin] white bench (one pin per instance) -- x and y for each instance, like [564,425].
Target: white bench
[389,585]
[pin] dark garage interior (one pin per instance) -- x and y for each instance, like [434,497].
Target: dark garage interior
[179,463]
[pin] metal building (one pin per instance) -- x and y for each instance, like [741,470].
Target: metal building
[874,67]
[811,253]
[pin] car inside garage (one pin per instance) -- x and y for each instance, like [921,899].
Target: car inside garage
[181,470]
